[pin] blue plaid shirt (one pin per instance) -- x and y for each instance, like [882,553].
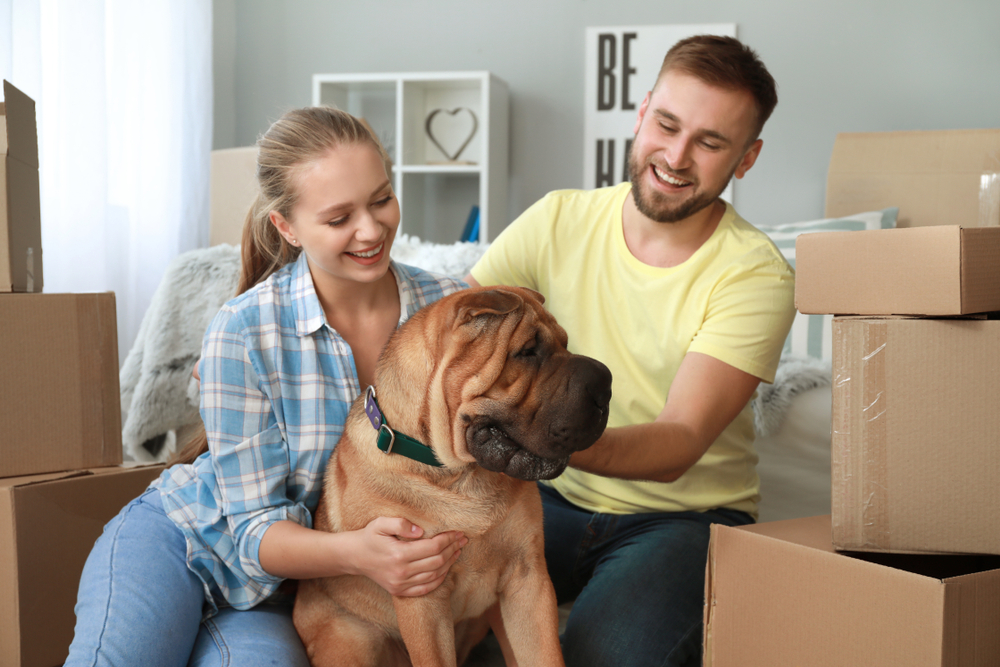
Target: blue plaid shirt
[276,385]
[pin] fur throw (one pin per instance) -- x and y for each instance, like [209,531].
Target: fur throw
[159,396]
[157,390]
[794,376]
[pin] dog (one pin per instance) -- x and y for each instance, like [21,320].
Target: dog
[484,380]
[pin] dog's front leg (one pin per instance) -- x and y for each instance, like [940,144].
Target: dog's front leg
[530,617]
[427,627]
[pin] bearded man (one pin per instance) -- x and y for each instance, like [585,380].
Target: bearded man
[689,305]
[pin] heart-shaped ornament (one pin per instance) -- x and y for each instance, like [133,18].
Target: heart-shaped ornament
[450,125]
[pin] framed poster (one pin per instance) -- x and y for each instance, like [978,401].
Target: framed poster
[621,67]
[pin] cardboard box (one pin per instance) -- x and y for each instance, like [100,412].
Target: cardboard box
[59,395]
[48,525]
[777,594]
[949,177]
[940,271]
[20,213]
[232,191]
[916,435]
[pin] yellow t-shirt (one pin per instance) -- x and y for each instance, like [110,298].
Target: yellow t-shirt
[732,300]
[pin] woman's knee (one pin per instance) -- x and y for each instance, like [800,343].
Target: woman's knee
[260,636]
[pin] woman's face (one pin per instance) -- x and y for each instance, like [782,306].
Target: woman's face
[346,215]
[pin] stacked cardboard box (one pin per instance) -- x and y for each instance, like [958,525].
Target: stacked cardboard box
[61,473]
[907,569]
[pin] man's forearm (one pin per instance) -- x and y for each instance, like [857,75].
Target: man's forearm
[657,451]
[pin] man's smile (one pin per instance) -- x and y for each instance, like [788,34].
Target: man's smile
[668,178]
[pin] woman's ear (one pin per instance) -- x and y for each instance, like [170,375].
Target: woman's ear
[283,226]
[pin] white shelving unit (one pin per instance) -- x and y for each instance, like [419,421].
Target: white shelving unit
[435,193]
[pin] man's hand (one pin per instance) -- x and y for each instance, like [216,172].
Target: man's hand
[705,397]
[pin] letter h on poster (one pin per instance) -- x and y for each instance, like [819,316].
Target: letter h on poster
[622,66]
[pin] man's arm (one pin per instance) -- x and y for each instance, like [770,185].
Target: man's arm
[470,281]
[705,396]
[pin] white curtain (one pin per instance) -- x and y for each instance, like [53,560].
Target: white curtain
[123,94]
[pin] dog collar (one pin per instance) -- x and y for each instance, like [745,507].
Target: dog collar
[393,442]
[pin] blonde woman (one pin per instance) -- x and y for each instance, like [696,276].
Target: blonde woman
[192,571]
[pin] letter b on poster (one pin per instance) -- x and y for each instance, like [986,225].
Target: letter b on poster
[621,67]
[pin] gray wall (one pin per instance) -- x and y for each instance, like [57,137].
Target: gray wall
[841,66]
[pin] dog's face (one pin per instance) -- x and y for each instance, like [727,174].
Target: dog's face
[503,390]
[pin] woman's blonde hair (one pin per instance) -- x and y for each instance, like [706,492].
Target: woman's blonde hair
[293,140]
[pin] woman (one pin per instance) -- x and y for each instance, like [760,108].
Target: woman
[191,571]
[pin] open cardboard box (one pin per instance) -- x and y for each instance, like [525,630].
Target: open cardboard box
[943,177]
[916,435]
[59,395]
[20,212]
[48,525]
[778,594]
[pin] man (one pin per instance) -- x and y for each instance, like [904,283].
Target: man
[689,305]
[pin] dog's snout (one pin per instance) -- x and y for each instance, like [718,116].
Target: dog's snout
[594,378]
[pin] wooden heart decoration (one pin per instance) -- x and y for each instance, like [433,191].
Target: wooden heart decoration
[451,112]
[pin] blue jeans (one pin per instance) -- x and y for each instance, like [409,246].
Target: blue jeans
[139,604]
[638,581]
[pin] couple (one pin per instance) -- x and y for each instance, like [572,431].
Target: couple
[686,302]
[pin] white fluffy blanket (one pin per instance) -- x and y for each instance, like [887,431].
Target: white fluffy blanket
[159,396]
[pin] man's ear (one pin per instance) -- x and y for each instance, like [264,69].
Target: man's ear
[642,112]
[748,159]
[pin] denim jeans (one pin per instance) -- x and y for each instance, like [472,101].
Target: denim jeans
[638,581]
[139,604]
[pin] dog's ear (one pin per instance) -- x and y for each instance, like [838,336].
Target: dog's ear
[533,293]
[487,302]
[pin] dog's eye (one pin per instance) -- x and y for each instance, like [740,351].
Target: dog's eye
[527,351]
[530,349]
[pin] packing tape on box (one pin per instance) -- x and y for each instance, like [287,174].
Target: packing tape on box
[30,263]
[873,463]
[989,199]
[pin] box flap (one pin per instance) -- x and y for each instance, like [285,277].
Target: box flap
[935,178]
[972,616]
[6,284]
[21,134]
[10,639]
[778,600]
[23,222]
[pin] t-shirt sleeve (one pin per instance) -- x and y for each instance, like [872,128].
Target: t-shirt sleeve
[749,318]
[513,258]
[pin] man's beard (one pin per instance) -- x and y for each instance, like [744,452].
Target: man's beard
[657,207]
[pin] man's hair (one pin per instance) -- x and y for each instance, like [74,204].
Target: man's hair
[725,62]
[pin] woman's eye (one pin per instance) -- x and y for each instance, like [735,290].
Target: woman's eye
[337,222]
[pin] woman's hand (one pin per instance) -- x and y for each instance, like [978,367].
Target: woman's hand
[393,554]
